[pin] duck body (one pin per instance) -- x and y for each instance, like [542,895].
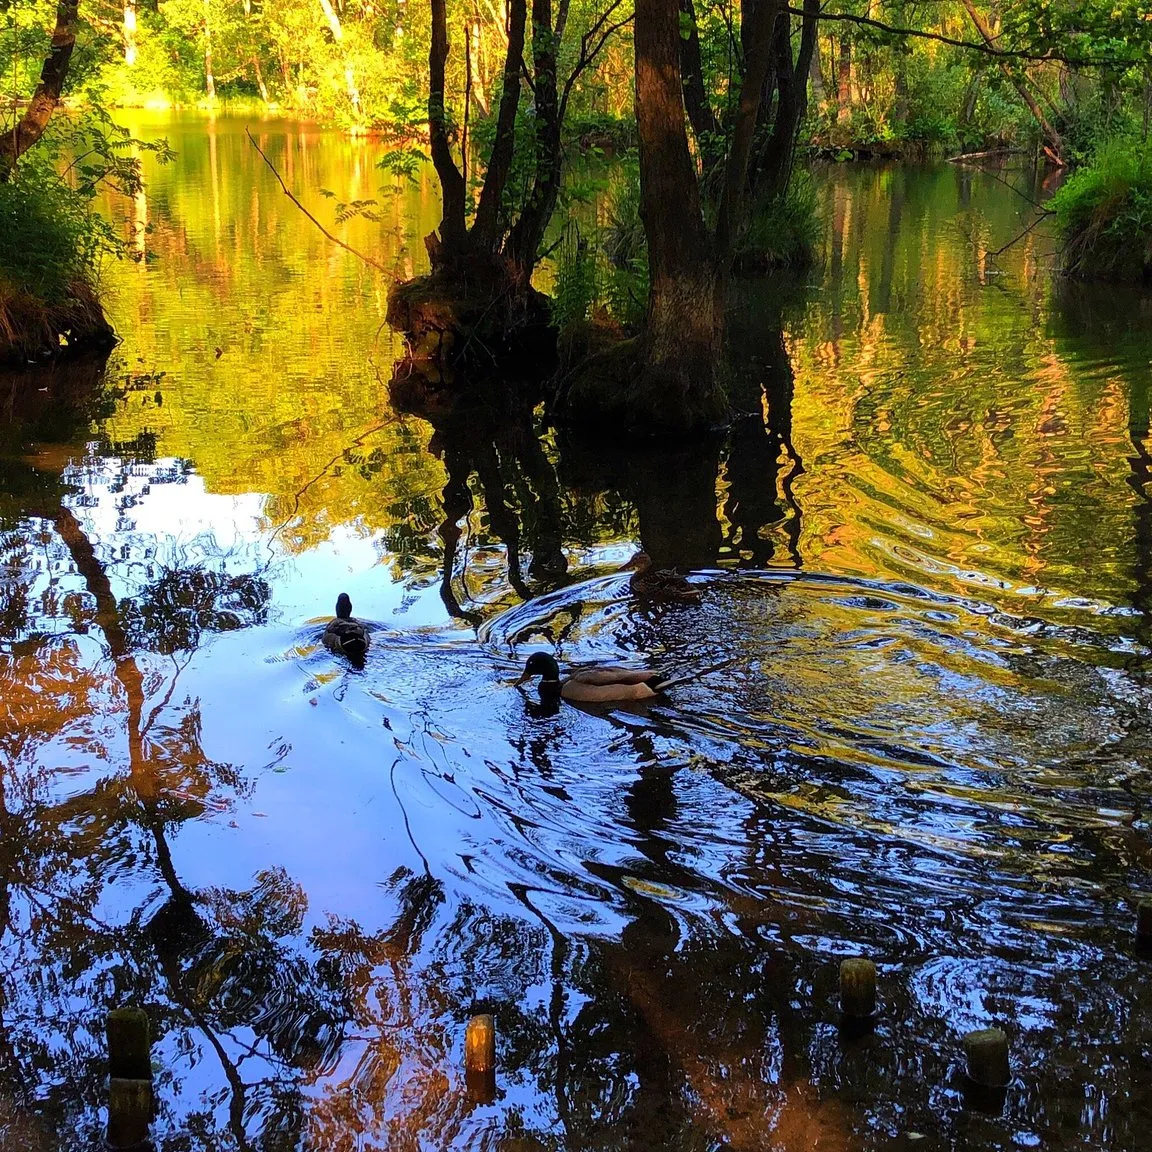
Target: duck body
[594,685]
[344,635]
[650,583]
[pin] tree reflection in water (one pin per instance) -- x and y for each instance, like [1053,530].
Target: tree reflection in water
[205,962]
[654,917]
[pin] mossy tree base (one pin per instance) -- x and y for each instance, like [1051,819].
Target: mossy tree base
[37,331]
[460,322]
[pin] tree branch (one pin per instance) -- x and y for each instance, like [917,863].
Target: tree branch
[972,45]
[335,239]
[588,54]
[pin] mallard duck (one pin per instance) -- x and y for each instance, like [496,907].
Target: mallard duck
[345,636]
[648,583]
[594,685]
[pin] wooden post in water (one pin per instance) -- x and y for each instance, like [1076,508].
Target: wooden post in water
[130,1102]
[1144,924]
[480,1058]
[985,1089]
[857,988]
[987,1052]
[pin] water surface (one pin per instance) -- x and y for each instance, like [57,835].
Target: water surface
[918,727]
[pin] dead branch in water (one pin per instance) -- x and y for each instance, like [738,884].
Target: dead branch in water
[974,157]
[335,239]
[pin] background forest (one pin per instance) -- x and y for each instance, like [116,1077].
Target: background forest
[1067,85]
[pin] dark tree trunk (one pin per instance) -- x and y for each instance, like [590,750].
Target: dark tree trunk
[486,229]
[792,83]
[30,127]
[452,241]
[528,233]
[757,31]
[700,113]
[682,329]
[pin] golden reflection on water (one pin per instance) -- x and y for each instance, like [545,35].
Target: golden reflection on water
[312,876]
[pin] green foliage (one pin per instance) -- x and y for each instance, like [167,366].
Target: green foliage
[604,266]
[50,238]
[575,291]
[1104,213]
[784,231]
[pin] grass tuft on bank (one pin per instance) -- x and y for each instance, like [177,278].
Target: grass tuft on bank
[51,246]
[1104,214]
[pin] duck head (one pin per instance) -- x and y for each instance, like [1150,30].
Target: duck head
[641,562]
[343,607]
[541,664]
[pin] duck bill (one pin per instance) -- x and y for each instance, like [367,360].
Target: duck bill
[523,679]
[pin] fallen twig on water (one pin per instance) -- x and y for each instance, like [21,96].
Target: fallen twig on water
[335,239]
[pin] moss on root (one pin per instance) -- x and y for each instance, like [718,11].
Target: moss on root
[448,319]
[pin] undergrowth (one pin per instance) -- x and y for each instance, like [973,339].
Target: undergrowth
[1104,213]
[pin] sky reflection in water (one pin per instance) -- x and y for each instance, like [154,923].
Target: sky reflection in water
[918,728]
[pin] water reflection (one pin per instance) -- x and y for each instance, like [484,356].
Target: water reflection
[916,725]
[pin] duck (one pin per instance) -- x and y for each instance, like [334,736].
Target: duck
[345,636]
[595,685]
[648,583]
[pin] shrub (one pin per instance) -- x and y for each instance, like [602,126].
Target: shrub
[1104,213]
[49,236]
[784,231]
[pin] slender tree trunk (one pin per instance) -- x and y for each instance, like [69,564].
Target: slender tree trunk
[209,77]
[130,32]
[337,30]
[476,66]
[792,84]
[528,234]
[260,79]
[758,31]
[699,110]
[844,82]
[486,228]
[30,127]
[1053,143]
[453,236]
[816,74]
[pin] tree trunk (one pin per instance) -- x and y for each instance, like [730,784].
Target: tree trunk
[209,77]
[816,72]
[453,235]
[130,32]
[528,234]
[678,384]
[30,127]
[260,79]
[844,82]
[337,31]
[757,31]
[477,71]
[699,110]
[775,166]
[486,229]
[1053,143]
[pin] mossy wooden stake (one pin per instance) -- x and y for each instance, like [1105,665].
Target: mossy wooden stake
[1144,923]
[129,1112]
[480,1057]
[987,1052]
[129,1044]
[857,988]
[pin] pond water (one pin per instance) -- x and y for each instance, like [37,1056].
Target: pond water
[916,728]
